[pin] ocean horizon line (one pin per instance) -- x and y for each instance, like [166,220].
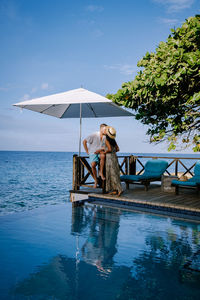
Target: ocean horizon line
[120,153]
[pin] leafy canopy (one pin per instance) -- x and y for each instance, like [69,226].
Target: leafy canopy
[166,93]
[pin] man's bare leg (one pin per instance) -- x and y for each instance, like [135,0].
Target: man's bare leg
[94,172]
[102,163]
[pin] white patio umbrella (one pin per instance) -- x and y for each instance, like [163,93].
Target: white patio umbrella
[78,103]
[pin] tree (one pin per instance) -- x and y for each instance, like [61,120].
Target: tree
[165,94]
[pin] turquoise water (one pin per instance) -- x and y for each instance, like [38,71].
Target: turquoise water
[51,250]
[96,252]
[33,179]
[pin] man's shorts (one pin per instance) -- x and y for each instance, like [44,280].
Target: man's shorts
[94,158]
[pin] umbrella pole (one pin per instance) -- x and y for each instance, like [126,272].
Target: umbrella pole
[80,129]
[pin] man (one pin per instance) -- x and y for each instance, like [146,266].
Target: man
[94,145]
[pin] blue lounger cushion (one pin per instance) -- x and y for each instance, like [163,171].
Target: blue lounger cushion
[184,183]
[137,177]
[194,181]
[152,169]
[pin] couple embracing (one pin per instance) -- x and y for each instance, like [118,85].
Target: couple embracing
[102,147]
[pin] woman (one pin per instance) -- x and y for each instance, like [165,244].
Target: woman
[113,183]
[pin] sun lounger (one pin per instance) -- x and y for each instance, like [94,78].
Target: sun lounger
[192,183]
[153,170]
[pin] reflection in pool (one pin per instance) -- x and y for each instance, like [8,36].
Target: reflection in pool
[97,252]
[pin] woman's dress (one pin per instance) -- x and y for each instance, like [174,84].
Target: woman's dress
[113,182]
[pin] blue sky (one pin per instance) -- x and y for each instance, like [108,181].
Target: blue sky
[53,46]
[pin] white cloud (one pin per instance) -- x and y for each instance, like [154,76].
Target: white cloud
[26,97]
[125,69]
[93,8]
[168,21]
[175,5]
[44,86]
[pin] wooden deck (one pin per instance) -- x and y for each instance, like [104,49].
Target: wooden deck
[184,205]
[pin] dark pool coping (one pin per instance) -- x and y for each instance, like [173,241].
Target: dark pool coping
[157,208]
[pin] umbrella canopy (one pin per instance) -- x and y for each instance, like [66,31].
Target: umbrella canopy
[67,105]
[78,103]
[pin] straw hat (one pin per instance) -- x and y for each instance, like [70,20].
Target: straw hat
[111,132]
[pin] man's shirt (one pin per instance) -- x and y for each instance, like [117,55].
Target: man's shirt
[94,142]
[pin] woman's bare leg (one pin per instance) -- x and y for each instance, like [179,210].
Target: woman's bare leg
[119,193]
[113,193]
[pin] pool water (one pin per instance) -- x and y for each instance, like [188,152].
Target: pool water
[97,252]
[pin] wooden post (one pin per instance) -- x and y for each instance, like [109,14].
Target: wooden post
[75,172]
[126,166]
[78,173]
[176,168]
[82,172]
[132,165]
[79,169]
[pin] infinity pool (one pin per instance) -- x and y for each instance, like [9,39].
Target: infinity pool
[97,252]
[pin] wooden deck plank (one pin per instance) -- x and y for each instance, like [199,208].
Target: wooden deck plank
[154,197]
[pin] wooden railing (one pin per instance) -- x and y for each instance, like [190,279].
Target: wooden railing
[130,165]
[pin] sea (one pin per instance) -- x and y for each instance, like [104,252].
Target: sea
[30,180]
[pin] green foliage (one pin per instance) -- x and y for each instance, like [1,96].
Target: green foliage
[166,93]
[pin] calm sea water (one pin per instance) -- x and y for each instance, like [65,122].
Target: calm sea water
[33,179]
[51,250]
